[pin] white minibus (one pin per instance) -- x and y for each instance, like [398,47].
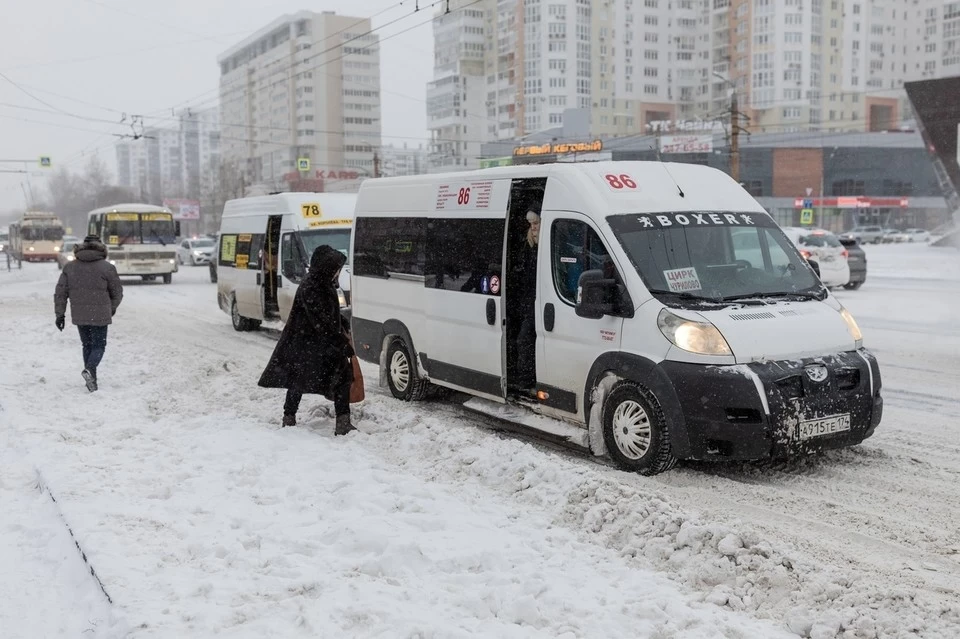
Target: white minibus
[264,247]
[673,318]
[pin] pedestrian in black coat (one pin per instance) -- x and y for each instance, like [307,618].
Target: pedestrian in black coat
[313,354]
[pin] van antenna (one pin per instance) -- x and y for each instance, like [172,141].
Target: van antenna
[679,190]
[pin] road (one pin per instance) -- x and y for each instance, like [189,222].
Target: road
[862,542]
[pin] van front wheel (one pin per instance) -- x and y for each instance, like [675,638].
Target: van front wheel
[402,378]
[635,431]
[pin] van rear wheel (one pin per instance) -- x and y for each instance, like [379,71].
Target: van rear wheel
[241,323]
[635,431]
[402,377]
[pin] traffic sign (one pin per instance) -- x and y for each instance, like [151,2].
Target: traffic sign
[45,161]
[806,216]
[807,203]
[303,164]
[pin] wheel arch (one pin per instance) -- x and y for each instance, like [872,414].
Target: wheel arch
[395,328]
[650,375]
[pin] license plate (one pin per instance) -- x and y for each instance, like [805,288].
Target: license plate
[820,427]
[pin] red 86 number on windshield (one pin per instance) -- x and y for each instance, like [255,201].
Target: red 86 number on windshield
[619,182]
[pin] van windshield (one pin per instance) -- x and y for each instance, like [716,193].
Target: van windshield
[710,257]
[338,239]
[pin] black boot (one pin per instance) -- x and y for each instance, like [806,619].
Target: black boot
[289,420]
[90,378]
[343,425]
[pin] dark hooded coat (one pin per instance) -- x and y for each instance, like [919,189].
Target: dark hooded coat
[313,354]
[91,284]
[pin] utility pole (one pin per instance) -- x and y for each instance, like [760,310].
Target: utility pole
[734,137]
[376,164]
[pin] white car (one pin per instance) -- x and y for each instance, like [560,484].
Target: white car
[824,248]
[196,251]
[917,235]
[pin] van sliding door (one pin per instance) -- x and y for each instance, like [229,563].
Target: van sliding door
[463,277]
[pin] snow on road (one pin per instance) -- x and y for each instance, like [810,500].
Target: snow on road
[203,517]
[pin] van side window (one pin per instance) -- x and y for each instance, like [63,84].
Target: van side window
[293,264]
[228,250]
[463,254]
[575,248]
[385,246]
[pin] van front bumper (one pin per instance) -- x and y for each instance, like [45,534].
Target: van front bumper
[764,410]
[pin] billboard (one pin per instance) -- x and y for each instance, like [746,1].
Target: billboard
[686,143]
[937,111]
[183,209]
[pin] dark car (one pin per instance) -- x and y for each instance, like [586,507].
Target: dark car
[857,261]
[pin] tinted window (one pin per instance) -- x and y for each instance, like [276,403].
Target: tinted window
[575,248]
[389,246]
[464,254]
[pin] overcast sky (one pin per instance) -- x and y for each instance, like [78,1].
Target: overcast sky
[100,58]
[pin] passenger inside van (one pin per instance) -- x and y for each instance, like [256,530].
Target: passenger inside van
[527,305]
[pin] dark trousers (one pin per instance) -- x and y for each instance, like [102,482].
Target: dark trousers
[341,401]
[94,340]
[527,352]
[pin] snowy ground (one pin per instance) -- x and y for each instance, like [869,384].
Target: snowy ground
[202,517]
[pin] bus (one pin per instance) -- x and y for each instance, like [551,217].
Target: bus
[36,237]
[140,239]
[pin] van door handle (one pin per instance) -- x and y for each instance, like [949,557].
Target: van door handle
[491,311]
[259,280]
[549,316]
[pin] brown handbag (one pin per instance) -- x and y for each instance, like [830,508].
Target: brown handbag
[357,393]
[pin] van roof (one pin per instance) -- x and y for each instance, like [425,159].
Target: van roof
[131,208]
[288,203]
[656,188]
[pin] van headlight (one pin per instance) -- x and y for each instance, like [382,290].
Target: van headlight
[702,338]
[852,327]
[56,249]
[342,298]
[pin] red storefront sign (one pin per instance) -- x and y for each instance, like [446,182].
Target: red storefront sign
[852,202]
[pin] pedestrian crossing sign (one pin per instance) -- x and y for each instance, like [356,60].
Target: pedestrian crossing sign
[806,216]
[303,164]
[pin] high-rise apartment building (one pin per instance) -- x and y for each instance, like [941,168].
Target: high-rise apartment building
[305,86]
[796,65]
[456,110]
[173,162]
[396,161]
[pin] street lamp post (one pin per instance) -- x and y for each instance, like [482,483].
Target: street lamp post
[823,172]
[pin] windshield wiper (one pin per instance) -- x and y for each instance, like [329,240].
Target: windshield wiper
[685,296]
[154,233]
[801,294]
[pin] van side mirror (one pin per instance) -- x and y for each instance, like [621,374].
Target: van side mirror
[815,266]
[596,296]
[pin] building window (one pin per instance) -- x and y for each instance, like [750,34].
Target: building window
[848,187]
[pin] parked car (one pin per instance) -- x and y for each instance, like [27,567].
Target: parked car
[866,234]
[857,261]
[65,254]
[894,236]
[917,235]
[195,251]
[825,249]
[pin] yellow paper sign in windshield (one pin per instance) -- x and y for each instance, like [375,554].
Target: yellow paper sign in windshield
[242,261]
[122,217]
[310,210]
[244,238]
[228,248]
[113,240]
[317,223]
[158,217]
